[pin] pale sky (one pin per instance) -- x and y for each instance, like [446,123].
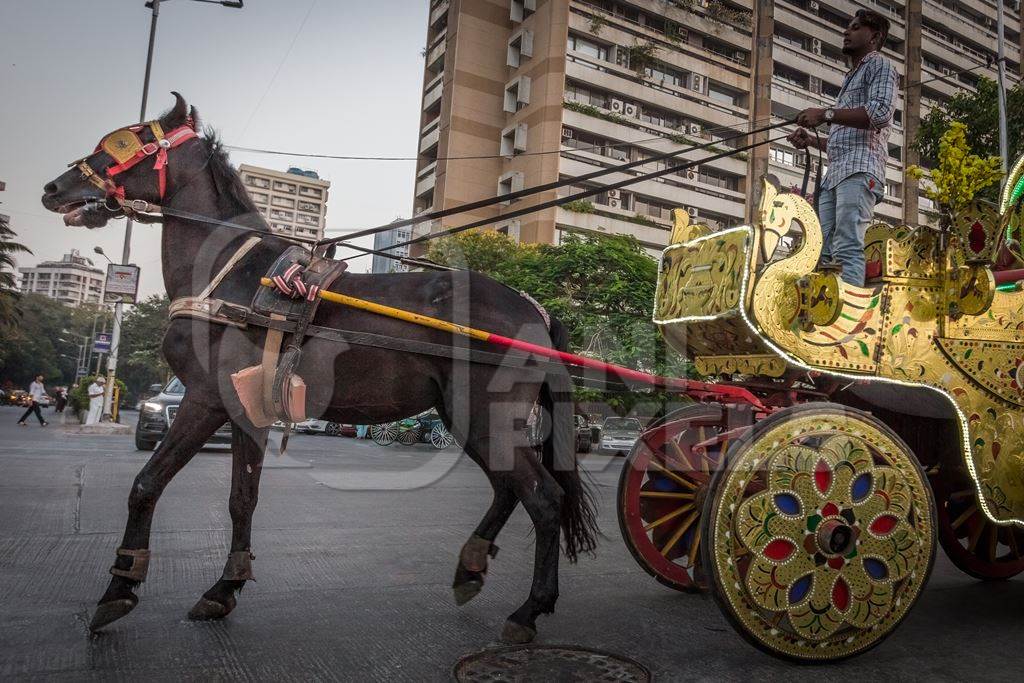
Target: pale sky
[348,81]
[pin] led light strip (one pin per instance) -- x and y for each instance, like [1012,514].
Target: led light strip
[964,427]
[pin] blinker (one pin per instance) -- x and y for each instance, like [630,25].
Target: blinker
[122,145]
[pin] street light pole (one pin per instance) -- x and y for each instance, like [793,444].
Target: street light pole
[115,337]
[1004,151]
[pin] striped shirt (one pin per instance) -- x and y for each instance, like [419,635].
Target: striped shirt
[872,85]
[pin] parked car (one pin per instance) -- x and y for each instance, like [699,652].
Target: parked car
[157,414]
[583,438]
[315,426]
[618,434]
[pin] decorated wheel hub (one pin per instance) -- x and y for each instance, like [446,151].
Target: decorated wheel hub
[822,534]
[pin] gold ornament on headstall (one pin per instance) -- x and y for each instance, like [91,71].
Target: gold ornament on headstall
[122,145]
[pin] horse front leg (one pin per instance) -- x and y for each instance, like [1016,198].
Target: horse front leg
[193,425]
[248,446]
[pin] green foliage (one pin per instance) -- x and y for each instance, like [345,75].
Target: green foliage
[579,206]
[591,110]
[640,219]
[78,398]
[141,360]
[722,13]
[598,22]
[601,288]
[8,277]
[641,56]
[45,341]
[979,111]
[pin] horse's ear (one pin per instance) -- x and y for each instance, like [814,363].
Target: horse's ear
[193,118]
[177,115]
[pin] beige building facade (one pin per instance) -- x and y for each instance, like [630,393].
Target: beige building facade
[518,93]
[293,202]
[74,280]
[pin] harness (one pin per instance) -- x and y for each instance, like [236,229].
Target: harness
[126,148]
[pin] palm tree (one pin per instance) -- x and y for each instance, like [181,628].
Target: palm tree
[8,279]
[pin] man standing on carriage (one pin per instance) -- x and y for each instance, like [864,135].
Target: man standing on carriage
[857,144]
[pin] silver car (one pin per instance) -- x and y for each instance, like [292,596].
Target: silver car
[618,434]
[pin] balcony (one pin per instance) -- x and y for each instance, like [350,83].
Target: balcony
[435,58]
[439,13]
[432,98]
[426,185]
[654,237]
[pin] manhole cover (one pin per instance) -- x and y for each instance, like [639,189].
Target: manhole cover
[547,663]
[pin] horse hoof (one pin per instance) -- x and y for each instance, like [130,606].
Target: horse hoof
[517,634]
[109,612]
[207,610]
[465,592]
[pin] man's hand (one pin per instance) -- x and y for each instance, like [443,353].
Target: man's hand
[800,138]
[811,118]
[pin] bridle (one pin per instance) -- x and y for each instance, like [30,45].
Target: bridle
[127,149]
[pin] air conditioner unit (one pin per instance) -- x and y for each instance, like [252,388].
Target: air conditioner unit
[694,129]
[691,174]
[567,132]
[631,110]
[692,211]
[697,82]
[816,46]
[613,203]
[617,106]
[813,6]
[613,194]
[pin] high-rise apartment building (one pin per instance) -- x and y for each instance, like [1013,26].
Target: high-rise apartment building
[383,240]
[533,91]
[293,202]
[73,280]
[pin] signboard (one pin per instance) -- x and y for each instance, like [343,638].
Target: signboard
[80,373]
[101,343]
[122,284]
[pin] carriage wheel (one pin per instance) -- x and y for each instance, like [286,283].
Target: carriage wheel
[409,437]
[821,533]
[661,493]
[974,543]
[440,437]
[384,434]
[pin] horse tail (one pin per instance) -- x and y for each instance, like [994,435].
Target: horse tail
[579,519]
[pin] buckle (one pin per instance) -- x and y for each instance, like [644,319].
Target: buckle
[138,205]
[150,148]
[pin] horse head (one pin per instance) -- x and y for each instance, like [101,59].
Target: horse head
[115,179]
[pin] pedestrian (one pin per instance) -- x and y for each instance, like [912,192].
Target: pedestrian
[95,392]
[36,393]
[857,145]
[61,399]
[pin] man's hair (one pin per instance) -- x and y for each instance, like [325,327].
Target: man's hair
[876,22]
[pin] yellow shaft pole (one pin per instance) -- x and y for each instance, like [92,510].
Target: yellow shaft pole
[398,313]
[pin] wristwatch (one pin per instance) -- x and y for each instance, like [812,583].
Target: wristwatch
[829,115]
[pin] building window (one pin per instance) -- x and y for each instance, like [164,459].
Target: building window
[283,201]
[260,197]
[782,156]
[510,182]
[517,94]
[520,47]
[521,9]
[309,206]
[257,182]
[666,74]
[587,47]
[282,215]
[311,192]
[280,186]
[513,140]
[575,92]
[511,229]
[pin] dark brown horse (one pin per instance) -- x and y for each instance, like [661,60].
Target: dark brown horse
[485,406]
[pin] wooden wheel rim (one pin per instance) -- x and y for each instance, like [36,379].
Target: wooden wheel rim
[845,608]
[384,434]
[658,549]
[975,544]
[441,438]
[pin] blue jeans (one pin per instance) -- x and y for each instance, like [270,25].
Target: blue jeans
[845,212]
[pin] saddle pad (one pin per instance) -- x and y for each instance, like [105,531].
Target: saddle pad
[319,272]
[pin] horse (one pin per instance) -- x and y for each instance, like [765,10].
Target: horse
[485,406]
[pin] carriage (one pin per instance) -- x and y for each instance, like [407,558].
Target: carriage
[880,421]
[425,428]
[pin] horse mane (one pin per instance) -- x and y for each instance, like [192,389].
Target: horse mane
[227,179]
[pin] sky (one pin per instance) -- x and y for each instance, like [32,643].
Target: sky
[322,76]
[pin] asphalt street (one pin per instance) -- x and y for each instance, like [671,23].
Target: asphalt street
[355,549]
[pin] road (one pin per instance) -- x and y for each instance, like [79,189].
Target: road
[354,583]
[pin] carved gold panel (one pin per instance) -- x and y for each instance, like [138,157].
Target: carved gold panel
[764,365]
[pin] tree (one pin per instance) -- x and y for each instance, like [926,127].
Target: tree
[601,288]
[979,111]
[141,358]
[45,341]
[8,279]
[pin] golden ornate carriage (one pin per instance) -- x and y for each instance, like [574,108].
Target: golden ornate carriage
[892,416]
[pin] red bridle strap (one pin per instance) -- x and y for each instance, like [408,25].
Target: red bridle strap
[159,148]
